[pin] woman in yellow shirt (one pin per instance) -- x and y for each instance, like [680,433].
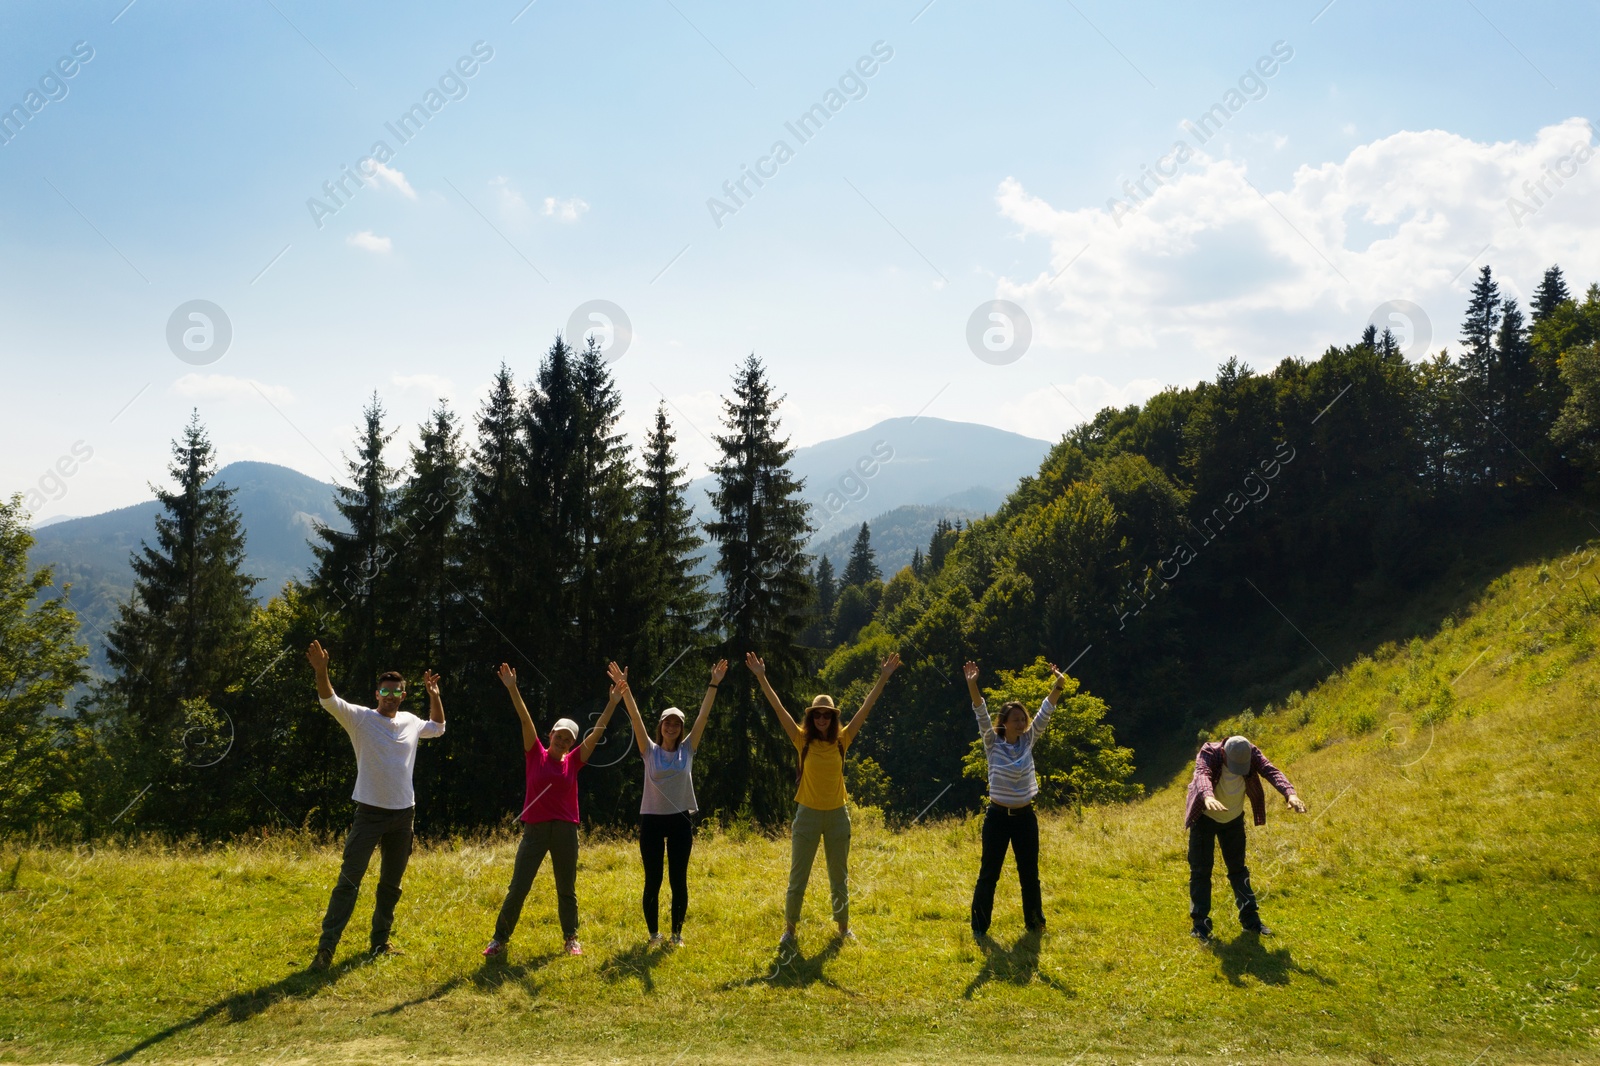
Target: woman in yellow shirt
[820,815]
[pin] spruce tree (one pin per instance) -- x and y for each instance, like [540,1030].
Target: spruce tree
[178,640]
[862,566]
[351,562]
[1551,294]
[944,538]
[760,532]
[677,600]
[1480,379]
[1518,381]
[827,587]
[423,546]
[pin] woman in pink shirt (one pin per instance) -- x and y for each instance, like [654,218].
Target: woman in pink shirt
[549,817]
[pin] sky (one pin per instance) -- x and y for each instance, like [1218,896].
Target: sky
[1010,213]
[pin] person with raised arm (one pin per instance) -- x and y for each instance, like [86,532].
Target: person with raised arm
[666,814]
[549,817]
[820,815]
[385,741]
[1226,773]
[1010,820]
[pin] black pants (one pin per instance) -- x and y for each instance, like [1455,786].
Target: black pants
[1202,856]
[373,828]
[673,833]
[1019,829]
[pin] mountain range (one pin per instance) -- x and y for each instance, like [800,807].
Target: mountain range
[902,475]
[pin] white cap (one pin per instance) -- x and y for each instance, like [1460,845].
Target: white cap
[568,724]
[672,712]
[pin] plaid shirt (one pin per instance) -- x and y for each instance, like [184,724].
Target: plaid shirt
[1208,767]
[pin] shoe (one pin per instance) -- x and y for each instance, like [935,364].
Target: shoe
[848,936]
[378,951]
[1202,935]
[677,940]
[1260,930]
[573,947]
[788,942]
[656,940]
[322,961]
[495,952]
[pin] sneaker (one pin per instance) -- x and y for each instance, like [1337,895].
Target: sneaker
[1202,935]
[677,940]
[495,952]
[656,940]
[378,951]
[788,942]
[1259,930]
[848,936]
[573,947]
[322,961]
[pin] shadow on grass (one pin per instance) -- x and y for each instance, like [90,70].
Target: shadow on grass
[1016,965]
[790,968]
[636,962]
[1246,955]
[489,976]
[302,984]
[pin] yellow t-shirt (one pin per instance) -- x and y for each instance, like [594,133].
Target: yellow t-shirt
[822,777]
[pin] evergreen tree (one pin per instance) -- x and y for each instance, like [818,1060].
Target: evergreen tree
[760,532]
[40,661]
[916,561]
[1518,401]
[1480,379]
[944,538]
[178,639]
[677,600]
[350,562]
[862,566]
[1551,294]
[827,587]
[1481,322]
[423,547]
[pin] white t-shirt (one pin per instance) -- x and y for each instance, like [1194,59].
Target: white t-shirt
[1229,791]
[668,779]
[386,751]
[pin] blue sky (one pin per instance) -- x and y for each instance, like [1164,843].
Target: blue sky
[976,163]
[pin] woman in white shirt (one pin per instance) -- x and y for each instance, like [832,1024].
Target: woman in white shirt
[1010,819]
[666,815]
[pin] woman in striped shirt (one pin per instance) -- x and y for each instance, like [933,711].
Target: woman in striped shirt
[1010,820]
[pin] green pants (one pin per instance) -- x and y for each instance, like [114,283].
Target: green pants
[560,841]
[832,830]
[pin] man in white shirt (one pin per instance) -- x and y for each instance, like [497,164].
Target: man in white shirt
[385,740]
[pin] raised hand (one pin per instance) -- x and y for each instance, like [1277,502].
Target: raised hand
[430,681]
[508,676]
[970,671]
[317,656]
[619,681]
[753,663]
[719,671]
[890,665]
[1058,680]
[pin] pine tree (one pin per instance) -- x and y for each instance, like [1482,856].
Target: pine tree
[944,538]
[827,587]
[760,532]
[1478,328]
[1480,379]
[178,639]
[677,600]
[350,562]
[1517,402]
[916,562]
[862,566]
[1551,294]
[423,546]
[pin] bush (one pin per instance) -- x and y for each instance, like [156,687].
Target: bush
[1077,758]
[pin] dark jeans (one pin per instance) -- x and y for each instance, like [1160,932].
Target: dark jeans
[1202,856]
[1020,830]
[373,828]
[673,833]
[560,839]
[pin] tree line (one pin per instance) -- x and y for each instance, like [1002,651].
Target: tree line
[536,536]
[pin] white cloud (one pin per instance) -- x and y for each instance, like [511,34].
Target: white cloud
[371,242]
[566,210]
[223,387]
[1049,412]
[1207,266]
[513,208]
[394,178]
[432,385]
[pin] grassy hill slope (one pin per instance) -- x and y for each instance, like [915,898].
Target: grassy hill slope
[1439,903]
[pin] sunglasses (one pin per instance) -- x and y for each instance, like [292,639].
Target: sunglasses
[391,692]
[824,714]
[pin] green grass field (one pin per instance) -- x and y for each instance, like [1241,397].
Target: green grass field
[1440,903]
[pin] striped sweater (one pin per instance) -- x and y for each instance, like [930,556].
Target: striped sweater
[1012,782]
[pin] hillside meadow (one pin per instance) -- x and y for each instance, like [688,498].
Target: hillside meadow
[1439,903]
